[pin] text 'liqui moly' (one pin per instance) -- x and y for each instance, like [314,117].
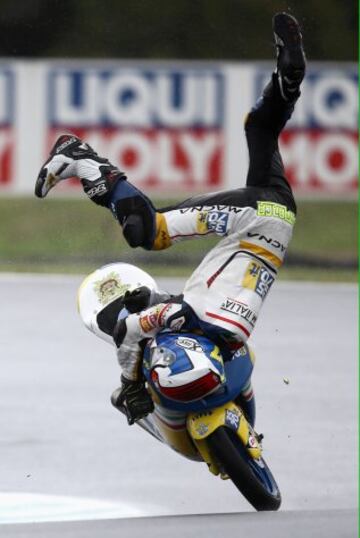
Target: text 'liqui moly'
[163,127]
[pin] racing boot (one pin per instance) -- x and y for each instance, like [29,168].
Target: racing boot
[103,183]
[70,157]
[276,105]
[290,68]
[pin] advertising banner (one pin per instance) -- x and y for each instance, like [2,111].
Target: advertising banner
[175,128]
[6,126]
[164,127]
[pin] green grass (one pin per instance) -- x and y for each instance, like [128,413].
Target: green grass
[75,235]
[327,229]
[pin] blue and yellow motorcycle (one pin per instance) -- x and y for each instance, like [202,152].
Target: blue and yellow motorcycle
[179,369]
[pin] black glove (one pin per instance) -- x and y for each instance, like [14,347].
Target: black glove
[133,399]
[134,301]
[137,300]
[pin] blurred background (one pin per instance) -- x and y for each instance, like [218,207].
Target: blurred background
[161,89]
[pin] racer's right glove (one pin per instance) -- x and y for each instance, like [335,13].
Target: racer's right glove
[133,399]
[141,298]
[103,183]
[137,300]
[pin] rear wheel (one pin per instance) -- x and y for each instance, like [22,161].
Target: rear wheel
[253,478]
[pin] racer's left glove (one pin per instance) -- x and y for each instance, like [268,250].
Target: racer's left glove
[133,399]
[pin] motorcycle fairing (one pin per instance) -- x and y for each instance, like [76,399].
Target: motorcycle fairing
[201,425]
[175,435]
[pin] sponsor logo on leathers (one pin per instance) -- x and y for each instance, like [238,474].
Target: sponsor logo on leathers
[153,318]
[98,189]
[217,207]
[268,240]
[240,309]
[258,279]
[216,221]
[146,324]
[271,209]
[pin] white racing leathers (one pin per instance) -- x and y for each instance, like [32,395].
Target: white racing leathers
[255,223]
[232,282]
[227,290]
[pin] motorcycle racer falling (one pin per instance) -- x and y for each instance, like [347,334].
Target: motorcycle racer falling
[197,390]
[119,294]
[223,297]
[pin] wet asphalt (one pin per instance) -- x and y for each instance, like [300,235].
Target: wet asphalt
[59,435]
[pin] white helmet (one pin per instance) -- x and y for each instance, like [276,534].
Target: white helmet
[100,295]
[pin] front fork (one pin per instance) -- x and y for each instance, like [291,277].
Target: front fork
[229,415]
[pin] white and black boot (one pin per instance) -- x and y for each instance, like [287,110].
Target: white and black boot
[103,183]
[71,157]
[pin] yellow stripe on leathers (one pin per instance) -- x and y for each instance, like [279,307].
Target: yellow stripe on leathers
[162,237]
[262,252]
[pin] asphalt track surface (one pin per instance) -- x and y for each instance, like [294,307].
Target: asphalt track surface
[70,466]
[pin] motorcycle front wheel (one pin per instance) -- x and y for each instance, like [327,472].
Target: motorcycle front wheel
[252,478]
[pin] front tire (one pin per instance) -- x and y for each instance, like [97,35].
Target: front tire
[252,478]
